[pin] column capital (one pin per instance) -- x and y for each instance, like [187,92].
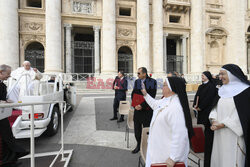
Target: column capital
[165,34]
[184,36]
[68,26]
[96,28]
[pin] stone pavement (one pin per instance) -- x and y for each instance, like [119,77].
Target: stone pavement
[96,141]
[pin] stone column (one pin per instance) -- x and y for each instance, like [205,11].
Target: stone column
[157,37]
[235,25]
[9,39]
[248,4]
[197,36]
[109,37]
[97,49]
[184,53]
[53,53]
[165,52]
[68,28]
[143,34]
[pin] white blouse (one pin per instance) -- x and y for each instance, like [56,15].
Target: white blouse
[168,136]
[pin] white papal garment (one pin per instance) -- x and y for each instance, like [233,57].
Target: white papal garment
[168,136]
[20,89]
[228,146]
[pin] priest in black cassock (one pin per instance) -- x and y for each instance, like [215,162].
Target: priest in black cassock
[9,150]
[203,103]
[231,120]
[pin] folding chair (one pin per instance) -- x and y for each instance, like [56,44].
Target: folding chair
[198,143]
[130,125]
[123,109]
[143,147]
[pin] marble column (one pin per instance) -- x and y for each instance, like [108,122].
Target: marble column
[109,37]
[9,39]
[97,48]
[157,37]
[53,52]
[235,46]
[184,53]
[165,52]
[143,34]
[68,28]
[197,37]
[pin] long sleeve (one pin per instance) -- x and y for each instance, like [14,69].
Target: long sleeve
[213,114]
[151,101]
[179,136]
[233,122]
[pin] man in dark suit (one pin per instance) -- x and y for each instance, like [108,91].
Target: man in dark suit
[120,85]
[9,151]
[143,113]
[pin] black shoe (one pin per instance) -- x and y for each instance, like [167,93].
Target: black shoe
[120,120]
[136,150]
[114,118]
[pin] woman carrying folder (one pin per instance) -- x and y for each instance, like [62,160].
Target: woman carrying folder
[171,125]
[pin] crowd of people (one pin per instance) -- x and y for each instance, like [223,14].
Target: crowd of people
[222,104]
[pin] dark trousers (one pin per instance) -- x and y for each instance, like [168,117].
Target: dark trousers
[116,104]
[209,137]
[10,151]
[141,119]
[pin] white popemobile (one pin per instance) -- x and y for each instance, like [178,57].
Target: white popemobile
[46,116]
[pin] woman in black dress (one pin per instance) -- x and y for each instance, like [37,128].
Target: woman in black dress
[203,103]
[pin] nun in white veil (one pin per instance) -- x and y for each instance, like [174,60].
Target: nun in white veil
[230,120]
[171,125]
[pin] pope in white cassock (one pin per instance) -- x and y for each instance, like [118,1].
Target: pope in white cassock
[231,120]
[171,125]
[24,88]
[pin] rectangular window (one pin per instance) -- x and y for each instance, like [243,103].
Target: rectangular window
[124,11]
[174,19]
[34,3]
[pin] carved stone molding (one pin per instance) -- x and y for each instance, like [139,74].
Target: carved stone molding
[32,26]
[28,38]
[216,34]
[125,43]
[84,6]
[125,32]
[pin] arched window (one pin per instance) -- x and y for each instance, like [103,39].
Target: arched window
[34,53]
[248,30]
[125,59]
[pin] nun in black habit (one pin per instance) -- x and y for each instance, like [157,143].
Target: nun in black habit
[9,150]
[231,120]
[203,103]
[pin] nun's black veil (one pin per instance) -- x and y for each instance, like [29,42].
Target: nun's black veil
[237,72]
[178,86]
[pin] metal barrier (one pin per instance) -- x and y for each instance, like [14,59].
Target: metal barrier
[32,139]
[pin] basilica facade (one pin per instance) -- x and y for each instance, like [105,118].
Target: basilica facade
[104,36]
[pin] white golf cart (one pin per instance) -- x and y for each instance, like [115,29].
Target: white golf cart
[46,116]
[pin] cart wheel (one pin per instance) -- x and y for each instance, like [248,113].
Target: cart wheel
[54,122]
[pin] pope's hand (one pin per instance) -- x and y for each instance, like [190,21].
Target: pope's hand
[35,69]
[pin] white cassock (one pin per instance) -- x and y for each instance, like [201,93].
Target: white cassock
[21,89]
[228,146]
[168,135]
